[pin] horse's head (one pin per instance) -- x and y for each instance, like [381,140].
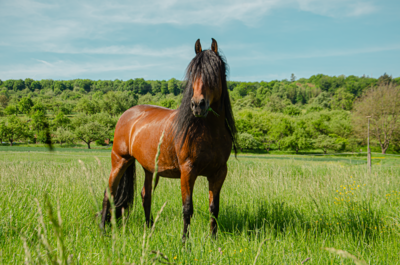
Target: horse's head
[206,83]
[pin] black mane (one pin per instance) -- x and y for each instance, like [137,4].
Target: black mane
[212,68]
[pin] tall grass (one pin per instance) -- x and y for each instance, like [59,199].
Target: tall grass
[297,208]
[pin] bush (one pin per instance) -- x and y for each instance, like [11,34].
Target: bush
[247,141]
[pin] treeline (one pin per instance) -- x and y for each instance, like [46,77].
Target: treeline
[289,114]
[138,86]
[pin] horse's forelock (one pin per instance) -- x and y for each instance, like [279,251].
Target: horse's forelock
[213,70]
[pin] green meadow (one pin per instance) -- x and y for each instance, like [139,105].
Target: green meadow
[275,209]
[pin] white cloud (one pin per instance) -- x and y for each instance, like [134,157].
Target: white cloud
[46,63]
[36,25]
[73,29]
[273,57]
[337,8]
[215,13]
[185,52]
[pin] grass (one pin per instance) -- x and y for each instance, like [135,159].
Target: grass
[299,207]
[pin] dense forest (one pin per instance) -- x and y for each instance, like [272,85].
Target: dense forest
[321,112]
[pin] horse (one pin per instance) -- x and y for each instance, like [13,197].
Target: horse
[195,142]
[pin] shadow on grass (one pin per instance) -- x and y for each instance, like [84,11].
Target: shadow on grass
[275,215]
[356,220]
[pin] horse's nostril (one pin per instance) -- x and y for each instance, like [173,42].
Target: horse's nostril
[202,103]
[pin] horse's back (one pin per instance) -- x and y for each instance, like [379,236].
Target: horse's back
[138,132]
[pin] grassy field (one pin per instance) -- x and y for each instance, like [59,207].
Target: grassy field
[297,205]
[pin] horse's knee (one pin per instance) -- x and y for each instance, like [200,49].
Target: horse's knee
[214,206]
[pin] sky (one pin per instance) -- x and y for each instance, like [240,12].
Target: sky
[154,39]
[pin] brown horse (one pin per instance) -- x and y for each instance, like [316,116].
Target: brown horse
[195,141]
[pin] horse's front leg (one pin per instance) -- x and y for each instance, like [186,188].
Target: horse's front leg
[188,178]
[214,186]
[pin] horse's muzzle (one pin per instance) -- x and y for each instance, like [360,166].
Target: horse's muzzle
[200,108]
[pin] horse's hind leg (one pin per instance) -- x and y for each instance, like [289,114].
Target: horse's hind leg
[214,186]
[118,167]
[146,197]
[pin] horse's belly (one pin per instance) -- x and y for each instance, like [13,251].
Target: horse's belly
[144,140]
[170,173]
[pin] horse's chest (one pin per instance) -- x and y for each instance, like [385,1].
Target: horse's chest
[209,157]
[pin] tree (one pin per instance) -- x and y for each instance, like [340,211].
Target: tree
[164,87]
[91,132]
[323,100]
[87,106]
[384,79]
[168,103]
[25,105]
[155,87]
[14,129]
[63,135]
[281,127]
[382,103]
[129,85]
[3,101]
[342,100]
[299,139]
[247,141]
[292,78]
[340,124]
[116,103]
[59,85]
[11,109]
[107,121]
[38,107]
[292,110]
[325,142]
[39,123]
[28,83]
[36,85]
[84,84]
[353,144]
[172,87]
[61,120]
[47,84]
[143,86]
[275,104]
[18,85]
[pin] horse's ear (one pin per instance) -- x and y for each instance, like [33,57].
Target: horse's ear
[197,46]
[214,46]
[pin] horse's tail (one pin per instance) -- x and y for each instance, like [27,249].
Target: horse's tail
[125,193]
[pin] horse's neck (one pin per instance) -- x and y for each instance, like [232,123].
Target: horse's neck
[216,116]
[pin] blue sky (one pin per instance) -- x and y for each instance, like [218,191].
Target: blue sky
[262,39]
